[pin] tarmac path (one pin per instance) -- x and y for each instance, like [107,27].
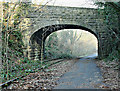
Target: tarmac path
[83,75]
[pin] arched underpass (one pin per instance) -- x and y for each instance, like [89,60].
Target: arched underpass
[37,40]
[71,43]
[83,74]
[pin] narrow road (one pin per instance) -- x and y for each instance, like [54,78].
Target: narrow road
[84,74]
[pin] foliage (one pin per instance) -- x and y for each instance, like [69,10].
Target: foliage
[12,44]
[71,43]
[52,41]
[66,56]
[111,12]
[62,46]
[51,46]
[21,67]
[15,42]
[11,31]
[114,56]
[111,15]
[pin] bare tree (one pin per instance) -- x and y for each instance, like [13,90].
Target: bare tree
[69,38]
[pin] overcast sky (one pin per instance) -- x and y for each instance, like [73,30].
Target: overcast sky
[70,3]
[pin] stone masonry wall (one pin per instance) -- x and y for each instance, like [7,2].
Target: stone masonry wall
[49,15]
[40,17]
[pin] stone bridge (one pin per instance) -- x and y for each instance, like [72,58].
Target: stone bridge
[41,22]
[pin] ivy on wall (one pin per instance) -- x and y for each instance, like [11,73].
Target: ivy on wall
[12,44]
[111,12]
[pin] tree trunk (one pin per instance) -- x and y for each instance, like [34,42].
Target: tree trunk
[1,19]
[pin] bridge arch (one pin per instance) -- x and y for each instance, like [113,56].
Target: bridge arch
[37,39]
[55,18]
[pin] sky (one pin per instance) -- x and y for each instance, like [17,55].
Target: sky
[69,3]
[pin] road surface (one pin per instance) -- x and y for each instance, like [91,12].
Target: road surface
[83,75]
